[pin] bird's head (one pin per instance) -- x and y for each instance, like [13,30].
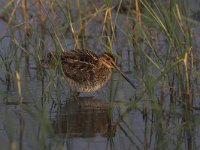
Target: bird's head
[108,60]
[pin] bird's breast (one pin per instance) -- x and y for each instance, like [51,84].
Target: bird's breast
[90,80]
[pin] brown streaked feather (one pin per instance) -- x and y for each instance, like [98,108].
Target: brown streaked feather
[78,70]
[86,52]
[84,55]
[79,65]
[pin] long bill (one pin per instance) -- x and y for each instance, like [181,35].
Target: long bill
[125,77]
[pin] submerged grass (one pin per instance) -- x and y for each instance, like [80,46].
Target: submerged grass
[157,38]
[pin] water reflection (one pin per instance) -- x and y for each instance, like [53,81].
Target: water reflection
[89,118]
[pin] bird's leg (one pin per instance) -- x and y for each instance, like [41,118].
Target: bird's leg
[75,96]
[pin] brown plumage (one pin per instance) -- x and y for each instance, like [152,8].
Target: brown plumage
[83,70]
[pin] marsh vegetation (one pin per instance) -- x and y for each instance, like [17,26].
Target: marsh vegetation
[156,44]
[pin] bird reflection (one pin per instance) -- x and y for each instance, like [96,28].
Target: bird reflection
[88,119]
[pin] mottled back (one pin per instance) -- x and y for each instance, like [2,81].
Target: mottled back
[79,65]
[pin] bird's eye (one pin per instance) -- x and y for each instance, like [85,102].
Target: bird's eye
[49,55]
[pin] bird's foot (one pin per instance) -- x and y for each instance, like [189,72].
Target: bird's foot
[75,97]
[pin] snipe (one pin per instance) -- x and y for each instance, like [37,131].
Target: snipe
[83,70]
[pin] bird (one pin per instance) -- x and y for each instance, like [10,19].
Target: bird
[82,69]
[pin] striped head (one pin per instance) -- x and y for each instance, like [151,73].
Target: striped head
[108,60]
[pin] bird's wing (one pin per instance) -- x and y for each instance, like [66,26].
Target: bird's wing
[84,55]
[78,71]
[78,65]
